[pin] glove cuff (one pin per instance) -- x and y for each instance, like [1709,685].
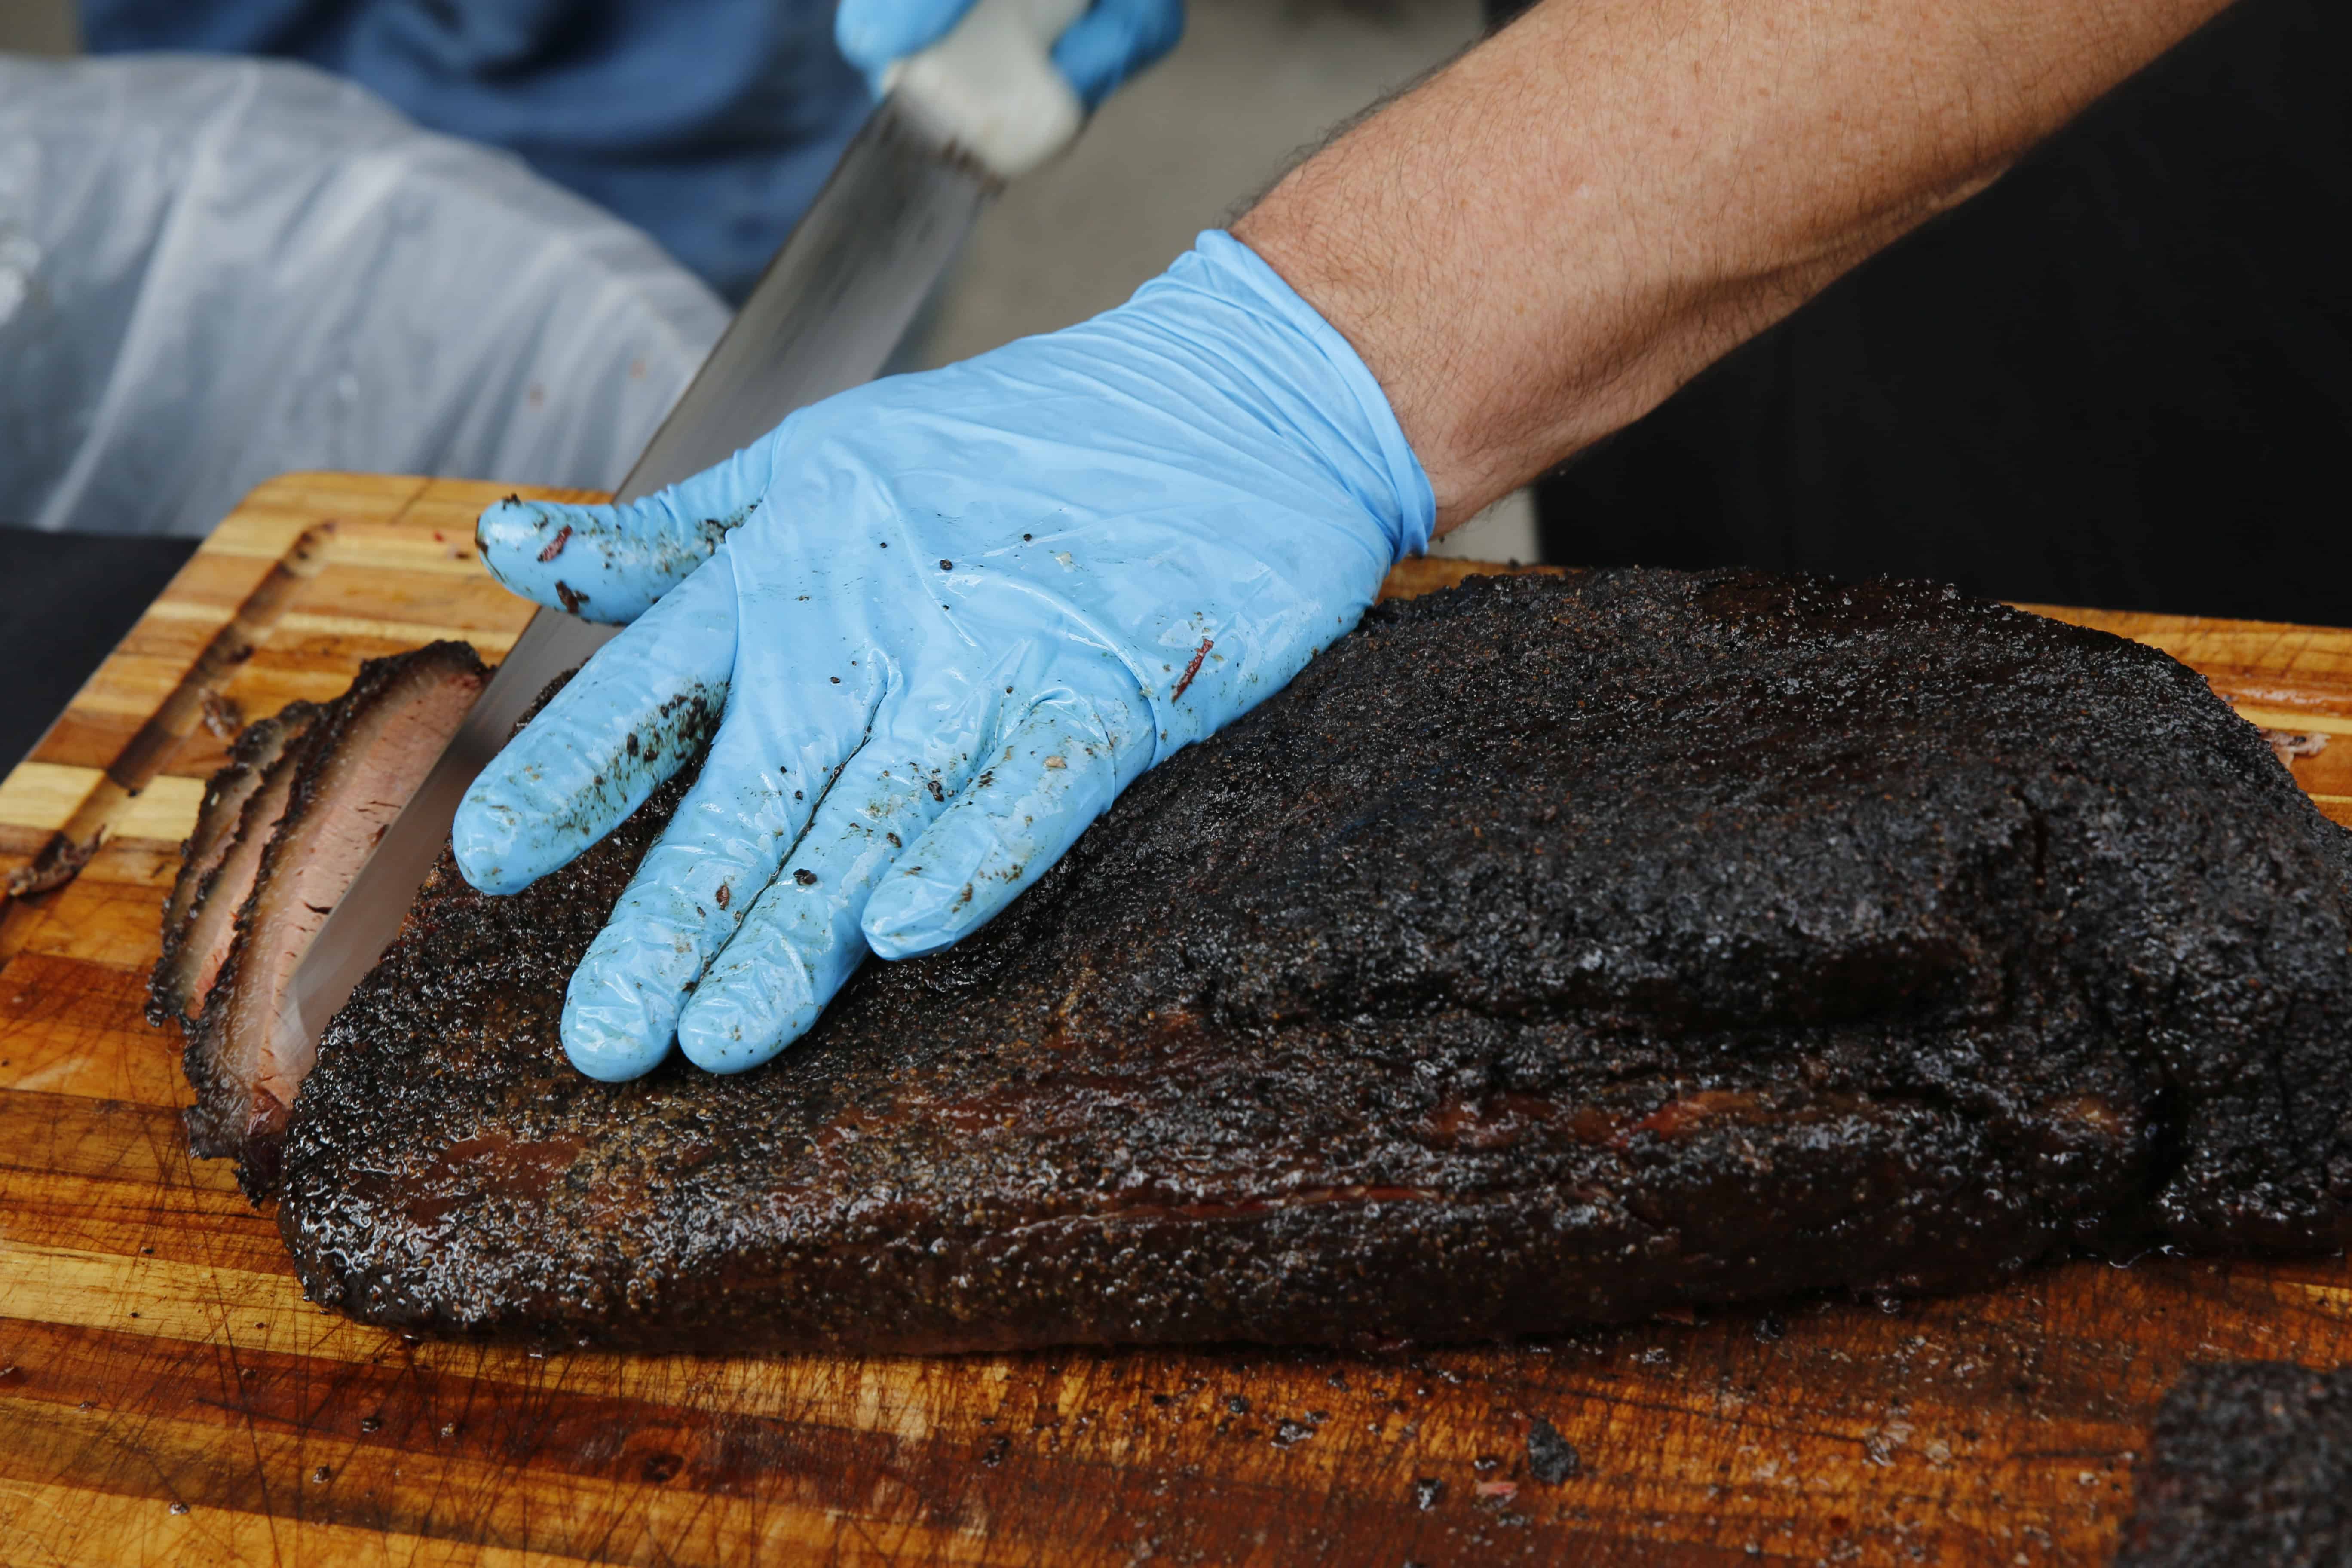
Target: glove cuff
[1409,513]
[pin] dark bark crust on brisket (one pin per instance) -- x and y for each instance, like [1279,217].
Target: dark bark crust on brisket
[1550,951]
[2250,1467]
[228,1063]
[177,987]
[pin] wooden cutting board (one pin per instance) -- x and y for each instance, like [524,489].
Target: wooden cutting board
[166,1395]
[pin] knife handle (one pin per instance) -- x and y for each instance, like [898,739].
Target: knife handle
[989,87]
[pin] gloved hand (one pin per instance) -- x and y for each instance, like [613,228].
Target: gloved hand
[943,620]
[1113,41]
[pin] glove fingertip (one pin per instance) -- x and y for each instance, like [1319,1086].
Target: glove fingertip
[893,941]
[604,1054]
[724,1040]
[514,529]
[483,840]
[606,1032]
[485,871]
[910,915]
[538,549]
[746,1011]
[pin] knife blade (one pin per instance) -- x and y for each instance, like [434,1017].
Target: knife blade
[824,317]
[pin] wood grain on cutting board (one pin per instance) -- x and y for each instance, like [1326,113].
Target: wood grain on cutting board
[166,1396]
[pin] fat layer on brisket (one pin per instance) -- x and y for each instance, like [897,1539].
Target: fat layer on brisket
[1550,951]
[303,835]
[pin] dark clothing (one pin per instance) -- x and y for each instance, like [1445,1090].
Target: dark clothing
[2121,376]
[709,124]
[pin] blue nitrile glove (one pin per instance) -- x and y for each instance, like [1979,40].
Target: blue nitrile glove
[1113,41]
[947,617]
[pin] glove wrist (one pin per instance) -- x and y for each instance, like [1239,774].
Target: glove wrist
[1343,402]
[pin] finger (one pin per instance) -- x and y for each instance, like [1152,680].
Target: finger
[801,941]
[638,709]
[609,564]
[1113,41]
[873,33]
[1056,771]
[757,790]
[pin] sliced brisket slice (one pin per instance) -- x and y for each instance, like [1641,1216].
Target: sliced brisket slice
[200,916]
[2250,1467]
[1547,952]
[364,758]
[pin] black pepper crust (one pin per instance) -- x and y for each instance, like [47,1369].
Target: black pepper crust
[2250,1467]
[234,1116]
[221,820]
[1550,951]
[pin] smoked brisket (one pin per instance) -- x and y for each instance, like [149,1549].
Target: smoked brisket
[241,807]
[1550,951]
[303,836]
[2250,1467]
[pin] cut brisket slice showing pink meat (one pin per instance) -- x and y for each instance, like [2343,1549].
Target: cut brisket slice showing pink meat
[241,809]
[363,760]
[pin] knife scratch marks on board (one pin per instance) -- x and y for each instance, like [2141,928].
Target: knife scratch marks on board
[143,756]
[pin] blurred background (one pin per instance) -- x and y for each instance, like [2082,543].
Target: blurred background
[122,442]
[38,28]
[2121,377]
[1253,85]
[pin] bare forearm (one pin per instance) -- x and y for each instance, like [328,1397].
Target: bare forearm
[1538,246]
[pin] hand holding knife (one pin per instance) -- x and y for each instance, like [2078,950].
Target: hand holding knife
[982,106]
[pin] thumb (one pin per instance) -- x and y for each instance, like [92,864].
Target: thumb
[610,563]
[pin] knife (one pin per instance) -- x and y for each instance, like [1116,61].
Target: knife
[981,107]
